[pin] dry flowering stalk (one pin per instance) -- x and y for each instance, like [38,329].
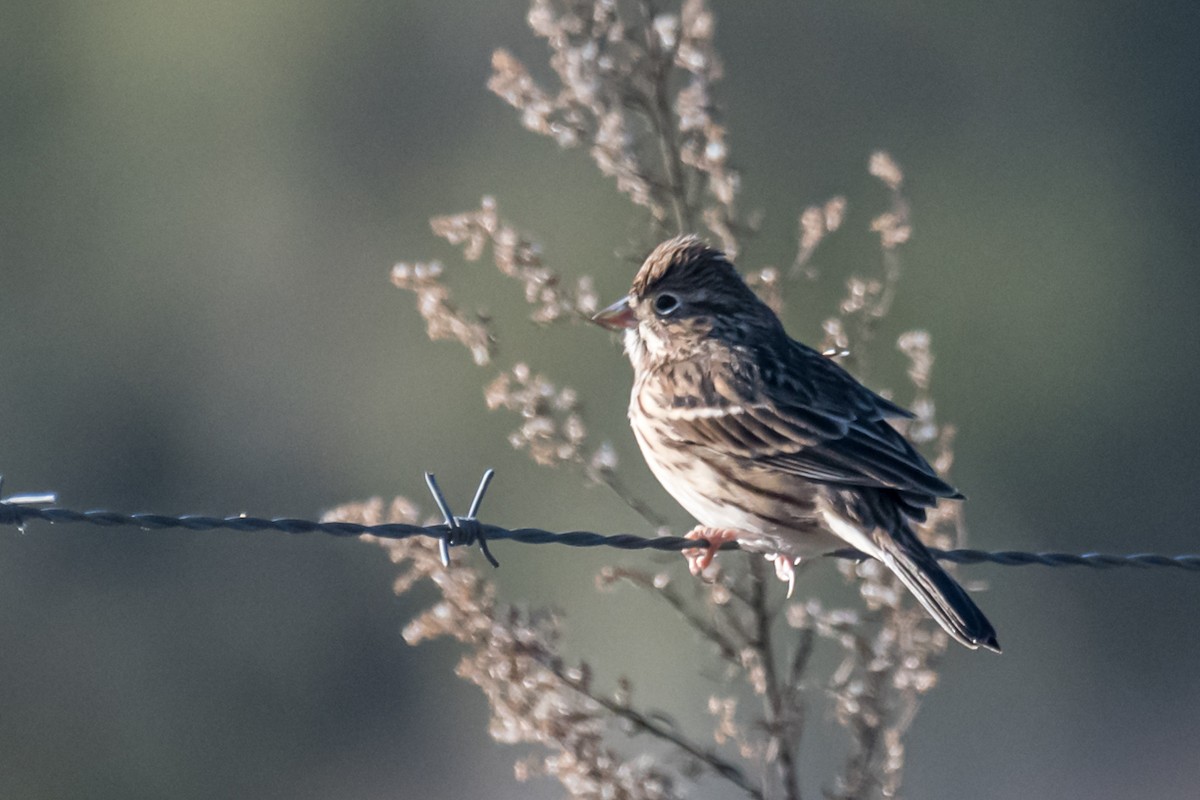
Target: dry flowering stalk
[443,320]
[890,655]
[520,258]
[917,346]
[634,84]
[734,617]
[815,223]
[513,656]
[868,300]
[552,430]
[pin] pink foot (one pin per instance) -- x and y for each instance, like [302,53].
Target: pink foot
[699,559]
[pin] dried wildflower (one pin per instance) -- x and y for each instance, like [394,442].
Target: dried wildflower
[518,257]
[443,320]
[552,430]
[889,665]
[724,709]
[944,451]
[882,166]
[604,459]
[815,223]
[916,345]
[868,301]
[512,82]
[634,85]
[893,226]
[617,70]
[513,656]
[892,230]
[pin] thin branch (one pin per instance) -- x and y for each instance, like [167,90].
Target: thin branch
[729,650]
[776,714]
[658,112]
[719,765]
[612,480]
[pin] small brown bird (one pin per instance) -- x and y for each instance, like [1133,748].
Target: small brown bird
[767,442]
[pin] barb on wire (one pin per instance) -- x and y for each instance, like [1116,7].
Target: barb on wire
[19,510]
[462,530]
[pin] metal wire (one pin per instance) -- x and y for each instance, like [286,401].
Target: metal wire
[20,510]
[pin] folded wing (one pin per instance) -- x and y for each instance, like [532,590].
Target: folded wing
[798,412]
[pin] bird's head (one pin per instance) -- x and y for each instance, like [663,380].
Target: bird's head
[685,296]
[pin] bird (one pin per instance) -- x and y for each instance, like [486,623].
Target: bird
[767,442]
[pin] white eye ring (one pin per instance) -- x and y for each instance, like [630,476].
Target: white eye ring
[665,304]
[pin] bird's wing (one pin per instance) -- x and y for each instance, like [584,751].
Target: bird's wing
[796,411]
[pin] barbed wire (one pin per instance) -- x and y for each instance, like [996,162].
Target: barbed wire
[19,510]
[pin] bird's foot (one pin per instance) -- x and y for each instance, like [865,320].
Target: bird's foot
[785,569]
[699,558]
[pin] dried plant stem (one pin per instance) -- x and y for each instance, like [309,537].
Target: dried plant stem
[804,650]
[776,716]
[684,218]
[659,115]
[858,777]
[646,724]
[633,82]
[728,649]
[639,506]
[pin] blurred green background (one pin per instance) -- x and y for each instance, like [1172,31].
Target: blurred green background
[199,207]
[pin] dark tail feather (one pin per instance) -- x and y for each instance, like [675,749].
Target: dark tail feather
[941,596]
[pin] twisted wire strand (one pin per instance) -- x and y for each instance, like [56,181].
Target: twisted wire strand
[466,531]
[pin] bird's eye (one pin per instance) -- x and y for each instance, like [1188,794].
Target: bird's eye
[666,303]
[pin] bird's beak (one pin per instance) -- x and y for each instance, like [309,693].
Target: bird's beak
[618,316]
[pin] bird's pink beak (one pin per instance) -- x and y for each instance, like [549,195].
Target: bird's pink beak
[618,316]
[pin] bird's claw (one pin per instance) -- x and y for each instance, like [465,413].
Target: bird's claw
[785,570]
[701,558]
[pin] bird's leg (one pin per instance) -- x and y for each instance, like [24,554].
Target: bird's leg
[699,558]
